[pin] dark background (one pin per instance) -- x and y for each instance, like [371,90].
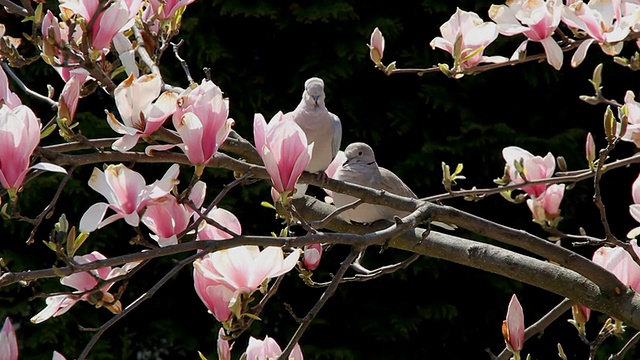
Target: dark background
[260,54]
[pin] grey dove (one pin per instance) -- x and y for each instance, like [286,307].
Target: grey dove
[361,168]
[321,127]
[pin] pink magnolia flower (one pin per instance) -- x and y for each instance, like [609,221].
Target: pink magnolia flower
[19,136]
[331,170]
[535,168]
[547,206]
[513,326]
[220,278]
[58,356]
[7,97]
[167,218]
[87,288]
[134,99]
[376,46]
[311,256]
[633,111]
[619,262]
[201,119]
[535,19]
[607,22]
[473,33]
[282,145]
[223,217]
[268,349]
[165,10]
[127,194]
[8,341]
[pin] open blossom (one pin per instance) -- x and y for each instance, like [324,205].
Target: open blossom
[475,35]
[167,218]
[86,285]
[127,194]
[607,22]
[141,116]
[535,19]
[268,349]
[376,46]
[8,342]
[19,136]
[535,168]
[222,277]
[513,327]
[619,262]
[202,120]
[547,206]
[282,145]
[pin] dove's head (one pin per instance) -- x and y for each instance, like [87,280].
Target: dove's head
[359,153]
[314,91]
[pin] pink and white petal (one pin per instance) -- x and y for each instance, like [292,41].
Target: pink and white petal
[581,53]
[49,167]
[126,142]
[198,193]
[289,262]
[150,149]
[92,217]
[553,51]
[58,356]
[109,220]
[132,219]
[80,281]
[56,305]
[159,111]
[119,127]
[163,186]
[272,168]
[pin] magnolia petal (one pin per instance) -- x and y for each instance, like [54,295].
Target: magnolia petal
[49,167]
[56,306]
[126,142]
[553,51]
[92,217]
[581,53]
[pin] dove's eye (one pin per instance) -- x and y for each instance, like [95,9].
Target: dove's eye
[360,153]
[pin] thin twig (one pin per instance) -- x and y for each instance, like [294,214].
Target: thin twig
[631,343]
[142,51]
[53,104]
[147,295]
[319,224]
[183,63]
[331,289]
[50,206]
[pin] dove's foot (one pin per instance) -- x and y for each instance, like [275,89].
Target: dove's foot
[322,177]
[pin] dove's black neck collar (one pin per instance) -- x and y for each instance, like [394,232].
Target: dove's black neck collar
[371,163]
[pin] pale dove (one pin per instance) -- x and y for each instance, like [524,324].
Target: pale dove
[361,169]
[321,127]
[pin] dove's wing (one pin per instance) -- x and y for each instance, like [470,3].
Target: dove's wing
[337,135]
[392,183]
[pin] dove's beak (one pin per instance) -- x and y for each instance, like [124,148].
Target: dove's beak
[315,99]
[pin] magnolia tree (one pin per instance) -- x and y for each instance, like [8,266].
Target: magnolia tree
[114,48]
